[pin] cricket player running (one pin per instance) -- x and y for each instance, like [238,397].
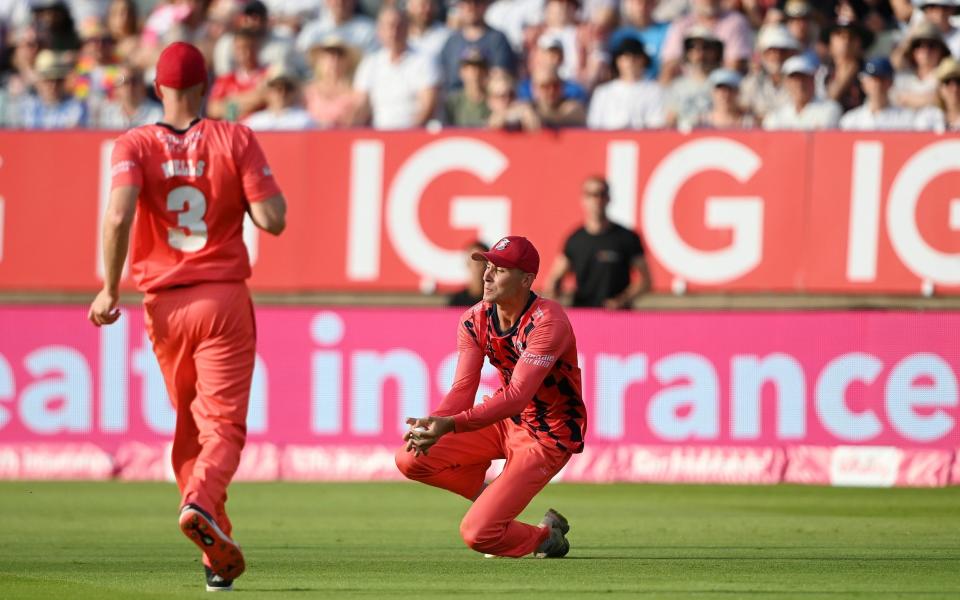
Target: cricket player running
[536,420]
[190,181]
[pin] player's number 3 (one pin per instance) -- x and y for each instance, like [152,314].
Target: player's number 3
[190,205]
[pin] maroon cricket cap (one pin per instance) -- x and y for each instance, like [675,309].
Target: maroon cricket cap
[512,252]
[180,66]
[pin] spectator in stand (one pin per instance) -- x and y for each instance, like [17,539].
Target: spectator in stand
[838,78]
[22,77]
[426,35]
[176,21]
[124,27]
[130,106]
[877,113]
[473,31]
[915,86]
[330,97]
[358,31]
[97,70]
[512,17]
[941,14]
[398,87]
[637,22]
[288,16]
[725,111]
[560,26]
[553,109]
[629,101]
[240,92]
[762,91]
[55,26]
[729,27]
[801,21]
[548,54]
[506,112]
[473,292]
[606,259]
[946,115]
[284,111]
[689,94]
[804,110]
[52,107]
[274,48]
[467,107]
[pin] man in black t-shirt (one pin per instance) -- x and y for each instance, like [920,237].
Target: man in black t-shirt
[601,255]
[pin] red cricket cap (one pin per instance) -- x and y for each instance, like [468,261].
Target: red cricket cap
[181,66]
[512,252]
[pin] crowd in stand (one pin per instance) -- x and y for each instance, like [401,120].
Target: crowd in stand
[509,64]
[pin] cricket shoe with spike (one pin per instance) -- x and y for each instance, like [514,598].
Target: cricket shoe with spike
[556,545]
[215,583]
[224,554]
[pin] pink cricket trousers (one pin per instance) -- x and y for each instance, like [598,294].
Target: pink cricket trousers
[204,337]
[459,461]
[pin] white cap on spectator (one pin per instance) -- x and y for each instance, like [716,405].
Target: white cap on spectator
[776,36]
[800,64]
[724,77]
[922,3]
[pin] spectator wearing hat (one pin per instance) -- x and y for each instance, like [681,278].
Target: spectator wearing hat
[397,87]
[629,101]
[473,31]
[729,27]
[427,35]
[467,107]
[130,106]
[274,47]
[330,97]
[548,54]
[561,27]
[803,111]
[940,13]
[284,111]
[55,25]
[637,22]
[240,92]
[725,110]
[877,113]
[800,19]
[52,106]
[915,85]
[123,25]
[689,94]
[553,109]
[340,19]
[945,116]
[762,90]
[838,78]
[97,70]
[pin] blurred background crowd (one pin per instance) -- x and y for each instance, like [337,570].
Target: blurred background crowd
[506,64]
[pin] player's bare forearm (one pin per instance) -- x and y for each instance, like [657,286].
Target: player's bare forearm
[270,215]
[116,238]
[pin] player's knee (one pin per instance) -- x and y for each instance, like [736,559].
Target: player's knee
[408,464]
[478,535]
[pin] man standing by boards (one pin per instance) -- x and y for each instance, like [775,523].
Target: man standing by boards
[190,181]
[536,420]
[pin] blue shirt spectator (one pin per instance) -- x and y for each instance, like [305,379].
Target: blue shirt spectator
[638,24]
[52,107]
[474,32]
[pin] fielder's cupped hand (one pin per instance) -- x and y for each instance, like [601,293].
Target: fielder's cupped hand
[425,432]
[104,309]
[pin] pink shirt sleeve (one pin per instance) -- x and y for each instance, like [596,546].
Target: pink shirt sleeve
[467,378]
[255,174]
[546,343]
[737,36]
[125,164]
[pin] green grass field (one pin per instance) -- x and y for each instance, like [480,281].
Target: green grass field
[116,540]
